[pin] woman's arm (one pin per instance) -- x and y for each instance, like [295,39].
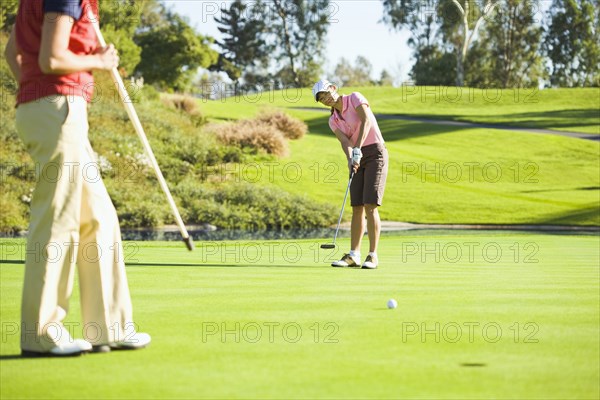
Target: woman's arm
[346,148]
[55,56]
[12,55]
[365,124]
[345,142]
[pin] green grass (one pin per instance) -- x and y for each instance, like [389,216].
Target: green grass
[447,174]
[542,291]
[576,110]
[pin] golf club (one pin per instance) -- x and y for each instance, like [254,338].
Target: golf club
[142,135]
[332,245]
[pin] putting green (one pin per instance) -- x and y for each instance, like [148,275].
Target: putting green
[480,315]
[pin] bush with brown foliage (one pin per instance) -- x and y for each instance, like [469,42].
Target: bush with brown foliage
[180,102]
[185,104]
[252,134]
[292,128]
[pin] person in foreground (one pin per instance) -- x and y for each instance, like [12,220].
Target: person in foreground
[51,52]
[356,128]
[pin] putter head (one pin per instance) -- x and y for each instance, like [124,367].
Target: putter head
[328,246]
[189,243]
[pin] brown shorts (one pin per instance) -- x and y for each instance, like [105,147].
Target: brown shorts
[368,183]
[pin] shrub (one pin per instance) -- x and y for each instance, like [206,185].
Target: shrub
[139,203]
[250,206]
[185,104]
[198,119]
[180,102]
[253,135]
[292,128]
[141,215]
[13,217]
[150,93]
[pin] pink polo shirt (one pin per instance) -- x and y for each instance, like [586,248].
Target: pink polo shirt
[348,121]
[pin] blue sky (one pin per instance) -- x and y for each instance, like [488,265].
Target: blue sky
[354,31]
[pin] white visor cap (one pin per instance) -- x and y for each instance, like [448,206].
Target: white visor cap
[321,86]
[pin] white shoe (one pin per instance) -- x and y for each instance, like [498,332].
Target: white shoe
[132,341]
[347,261]
[73,347]
[370,262]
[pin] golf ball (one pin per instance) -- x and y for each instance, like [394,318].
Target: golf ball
[392,303]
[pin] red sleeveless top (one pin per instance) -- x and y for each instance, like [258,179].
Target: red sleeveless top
[34,84]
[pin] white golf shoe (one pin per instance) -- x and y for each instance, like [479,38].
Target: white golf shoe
[347,261]
[78,346]
[370,262]
[132,341]
[68,347]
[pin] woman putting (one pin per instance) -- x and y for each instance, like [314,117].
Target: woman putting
[356,128]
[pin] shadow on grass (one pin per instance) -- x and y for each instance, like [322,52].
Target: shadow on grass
[15,357]
[555,119]
[209,265]
[196,265]
[392,129]
[18,356]
[42,357]
[470,365]
[581,216]
[536,120]
[588,188]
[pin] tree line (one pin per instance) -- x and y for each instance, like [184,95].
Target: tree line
[507,43]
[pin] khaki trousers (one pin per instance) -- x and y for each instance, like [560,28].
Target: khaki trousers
[73,222]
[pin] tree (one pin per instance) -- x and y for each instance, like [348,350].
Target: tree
[243,47]
[172,53]
[572,43]
[458,22]
[357,75]
[152,15]
[363,70]
[298,28]
[120,20]
[433,67]
[434,63]
[480,69]
[386,79]
[511,41]
[210,85]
